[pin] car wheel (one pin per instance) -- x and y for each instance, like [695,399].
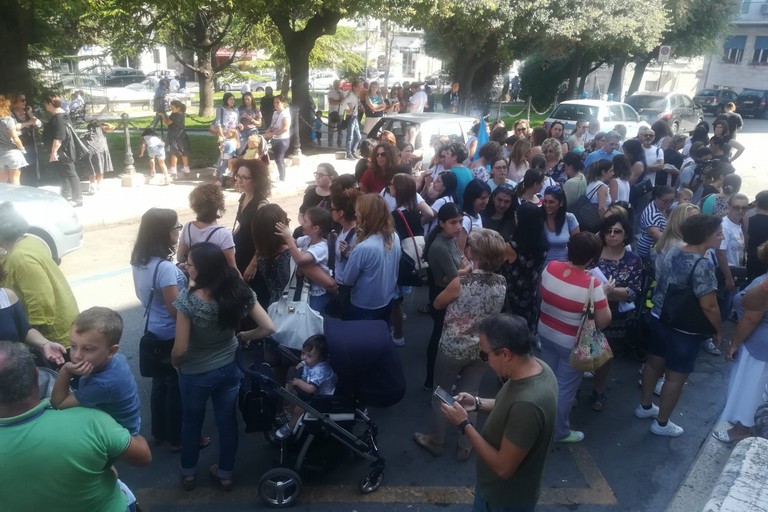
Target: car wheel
[259,89]
[225,87]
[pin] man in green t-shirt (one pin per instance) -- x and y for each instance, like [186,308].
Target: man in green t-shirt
[69,452]
[513,446]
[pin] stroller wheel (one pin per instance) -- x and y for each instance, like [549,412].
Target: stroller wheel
[371,482]
[280,487]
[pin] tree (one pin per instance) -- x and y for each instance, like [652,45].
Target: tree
[194,31]
[695,28]
[38,31]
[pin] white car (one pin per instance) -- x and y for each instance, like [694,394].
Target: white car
[322,80]
[51,218]
[608,113]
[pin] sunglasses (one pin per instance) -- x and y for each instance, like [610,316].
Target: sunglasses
[615,231]
[519,130]
[380,154]
[484,355]
[741,208]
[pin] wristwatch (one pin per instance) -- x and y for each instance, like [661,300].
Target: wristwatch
[463,425]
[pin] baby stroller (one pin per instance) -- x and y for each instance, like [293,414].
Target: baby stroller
[369,373]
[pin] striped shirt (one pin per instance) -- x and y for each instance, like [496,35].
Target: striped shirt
[564,290]
[651,217]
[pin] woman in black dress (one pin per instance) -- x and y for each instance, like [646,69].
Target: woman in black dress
[178,140]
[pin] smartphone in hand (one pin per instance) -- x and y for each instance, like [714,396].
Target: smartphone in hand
[444,396]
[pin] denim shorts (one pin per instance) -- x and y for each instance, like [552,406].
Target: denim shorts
[678,349]
[156,151]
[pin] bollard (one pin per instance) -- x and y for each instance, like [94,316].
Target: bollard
[129,178]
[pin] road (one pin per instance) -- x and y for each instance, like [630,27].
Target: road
[619,467]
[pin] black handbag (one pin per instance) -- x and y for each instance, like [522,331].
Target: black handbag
[408,273]
[681,310]
[154,353]
[587,213]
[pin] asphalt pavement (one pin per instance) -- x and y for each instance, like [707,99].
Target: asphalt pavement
[620,466]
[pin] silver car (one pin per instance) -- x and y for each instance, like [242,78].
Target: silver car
[51,218]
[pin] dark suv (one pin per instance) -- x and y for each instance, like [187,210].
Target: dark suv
[752,103]
[120,77]
[713,101]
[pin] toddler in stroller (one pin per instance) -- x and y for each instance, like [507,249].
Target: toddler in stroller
[317,378]
[369,373]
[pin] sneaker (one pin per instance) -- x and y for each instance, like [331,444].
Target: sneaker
[398,342]
[284,432]
[185,170]
[659,385]
[647,413]
[670,429]
[574,437]
[709,346]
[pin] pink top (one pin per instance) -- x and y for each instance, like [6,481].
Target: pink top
[564,290]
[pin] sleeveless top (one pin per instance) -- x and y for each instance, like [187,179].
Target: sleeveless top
[482,294]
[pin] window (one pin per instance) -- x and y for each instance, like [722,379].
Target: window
[629,114]
[409,64]
[615,113]
[745,6]
[734,49]
[761,50]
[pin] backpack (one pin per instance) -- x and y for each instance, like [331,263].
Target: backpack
[72,148]
[587,212]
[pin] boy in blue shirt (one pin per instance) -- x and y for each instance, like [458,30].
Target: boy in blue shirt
[106,381]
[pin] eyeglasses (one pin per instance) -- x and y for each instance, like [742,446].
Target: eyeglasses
[380,155]
[242,177]
[648,135]
[501,167]
[484,355]
[550,150]
[741,208]
[321,174]
[615,231]
[519,130]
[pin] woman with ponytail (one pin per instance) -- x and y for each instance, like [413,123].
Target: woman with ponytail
[208,313]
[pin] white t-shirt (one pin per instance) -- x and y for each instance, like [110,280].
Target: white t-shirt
[733,242]
[277,123]
[319,252]
[339,96]
[470,223]
[351,103]
[219,235]
[439,203]
[652,155]
[392,202]
[623,189]
[417,102]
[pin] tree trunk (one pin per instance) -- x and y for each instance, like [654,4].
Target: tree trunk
[584,72]
[637,77]
[616,84]
[15,29]
[573,75]
[204,74]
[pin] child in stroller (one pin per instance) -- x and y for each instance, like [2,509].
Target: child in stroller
[317,378]
[369,373]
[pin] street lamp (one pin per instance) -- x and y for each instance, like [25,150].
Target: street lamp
[129,178]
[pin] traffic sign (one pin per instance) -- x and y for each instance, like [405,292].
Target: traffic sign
[665,52]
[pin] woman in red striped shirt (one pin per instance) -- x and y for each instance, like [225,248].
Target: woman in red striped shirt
[564,290]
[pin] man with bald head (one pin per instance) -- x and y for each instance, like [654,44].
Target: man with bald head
[68,452]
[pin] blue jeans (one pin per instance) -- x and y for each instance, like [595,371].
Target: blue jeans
[356,313]
[319,302]
[353,135]
[222,386]
[480,505]
[279,148]
[568,381]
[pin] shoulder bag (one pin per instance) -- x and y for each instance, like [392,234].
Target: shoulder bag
[591,350]
[587,212]
[681,310]
[154,353]
[294,320]
[72,149]
[338,306]
[409,271]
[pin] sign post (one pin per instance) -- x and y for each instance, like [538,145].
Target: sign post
[664,54]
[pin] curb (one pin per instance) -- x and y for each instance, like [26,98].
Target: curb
[695,490]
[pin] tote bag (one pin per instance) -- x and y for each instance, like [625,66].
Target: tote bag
[294,320]
[591,350]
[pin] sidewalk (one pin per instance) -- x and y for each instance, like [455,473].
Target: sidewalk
[116,204]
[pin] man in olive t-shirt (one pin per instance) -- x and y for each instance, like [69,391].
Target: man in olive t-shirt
[514,444]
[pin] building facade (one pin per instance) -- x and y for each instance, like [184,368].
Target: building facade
[743,61]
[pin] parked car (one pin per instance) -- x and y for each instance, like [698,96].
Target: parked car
[442,76]
[120,77]
[608,113]
[713,101]
[322,80]
[424,129]
[675,108]
[51,218]
[753,103]
[74,82]
[163,73]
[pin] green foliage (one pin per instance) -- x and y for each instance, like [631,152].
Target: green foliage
[698,26]
[541,76]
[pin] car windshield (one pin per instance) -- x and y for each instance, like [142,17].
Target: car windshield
[708,92]
[751,94]
[574,112]
[640,101]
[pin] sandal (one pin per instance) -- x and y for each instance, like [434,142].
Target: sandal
[598,401]
[188,483]
[224,484]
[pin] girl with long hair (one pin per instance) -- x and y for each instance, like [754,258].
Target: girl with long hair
[598,176]
[445,187]
[499,215]
[156,277]
[519,160]
[633,150]
[619,185]
[208,315]
[559,224]
[528,189]
[379,174]
[475,200]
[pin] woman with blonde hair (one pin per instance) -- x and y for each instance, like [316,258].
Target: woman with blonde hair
[554,168]
[372,266]
[672,236]
[11,148]
[519,160]
[467,299]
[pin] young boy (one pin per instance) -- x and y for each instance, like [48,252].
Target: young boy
[317,378]
[106,381]
[311,248]
[317,127]
[155,148]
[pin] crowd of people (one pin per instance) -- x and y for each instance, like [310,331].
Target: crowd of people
[510,239]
